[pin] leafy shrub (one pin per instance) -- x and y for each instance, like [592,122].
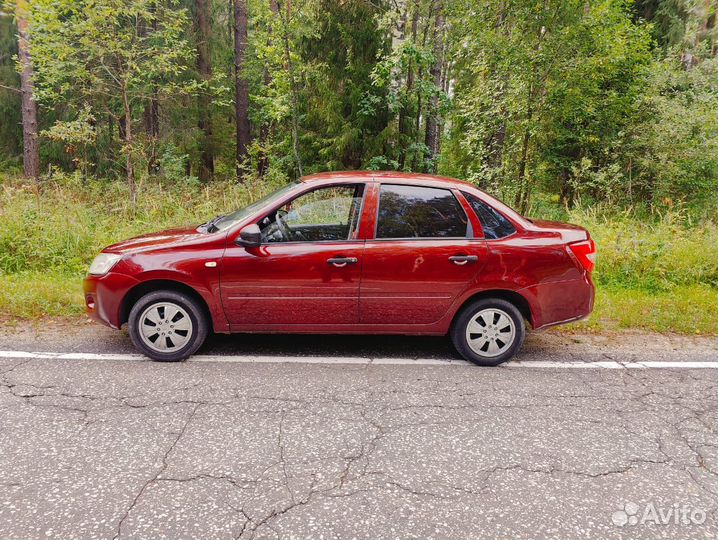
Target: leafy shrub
[62,224]
[654,271]
[653,254]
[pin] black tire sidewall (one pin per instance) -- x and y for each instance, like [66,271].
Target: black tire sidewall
[458,331]
[196,315]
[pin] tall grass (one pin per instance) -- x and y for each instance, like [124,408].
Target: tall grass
[648,264]
[655,254]
[654,250]
[62,224]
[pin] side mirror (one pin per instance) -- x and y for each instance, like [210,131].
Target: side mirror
[250,236]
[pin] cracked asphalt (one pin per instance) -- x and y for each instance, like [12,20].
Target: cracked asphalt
[118,449]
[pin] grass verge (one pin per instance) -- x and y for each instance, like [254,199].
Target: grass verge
[686,309]
[655,271]
[30,295]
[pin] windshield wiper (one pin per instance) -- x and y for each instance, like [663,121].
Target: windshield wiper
[211,225]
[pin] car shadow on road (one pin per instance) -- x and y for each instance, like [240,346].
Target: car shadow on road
[330,345]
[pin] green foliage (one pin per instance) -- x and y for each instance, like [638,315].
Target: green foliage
[95,51]
[672,152]
[10,135]
[657,273]
[64,223]
[599,101]
[173,165]
[544,102]
[339,126]
[77,135]
[108,57]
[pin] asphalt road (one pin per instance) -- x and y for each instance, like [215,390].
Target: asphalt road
[313,442]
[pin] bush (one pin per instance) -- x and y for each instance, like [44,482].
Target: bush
[657,272]
[652,254]
[63,223]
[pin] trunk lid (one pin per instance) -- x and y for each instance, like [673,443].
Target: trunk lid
[568,232]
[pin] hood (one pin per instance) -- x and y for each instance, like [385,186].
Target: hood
[146,242]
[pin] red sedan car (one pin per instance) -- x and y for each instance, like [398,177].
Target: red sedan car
[350,252]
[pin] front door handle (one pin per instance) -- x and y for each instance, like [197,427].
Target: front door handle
[461,260]
[341,262]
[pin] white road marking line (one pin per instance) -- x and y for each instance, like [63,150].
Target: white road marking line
[248,359]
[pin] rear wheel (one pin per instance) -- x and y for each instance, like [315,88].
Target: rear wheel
[488,332]
[167,326]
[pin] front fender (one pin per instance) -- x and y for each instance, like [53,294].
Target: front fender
[187,268]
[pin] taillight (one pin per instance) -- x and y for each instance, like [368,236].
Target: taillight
[585,252]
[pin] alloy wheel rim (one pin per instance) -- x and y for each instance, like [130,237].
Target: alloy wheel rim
[490,332]
[165,327]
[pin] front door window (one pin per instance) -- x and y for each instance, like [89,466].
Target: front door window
[325,214]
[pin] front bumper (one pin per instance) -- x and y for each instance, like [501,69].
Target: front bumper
[104,295]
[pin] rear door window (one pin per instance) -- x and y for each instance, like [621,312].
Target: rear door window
[495,225]
[419,212]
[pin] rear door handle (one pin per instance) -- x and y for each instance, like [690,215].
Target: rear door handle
[341,262]
[461,260]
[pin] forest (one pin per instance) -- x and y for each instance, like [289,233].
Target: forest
[123,116]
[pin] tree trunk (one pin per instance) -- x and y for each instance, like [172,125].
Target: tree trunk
[419,105]
[263,162]
[497,139]
[31,153]
[241,98]
[522,194]
[289,65]
[495,145]
[204,100]
[404,124]
[567,192]
[151,113]
[129,167]
[230,39]
[432,118]
[151,120]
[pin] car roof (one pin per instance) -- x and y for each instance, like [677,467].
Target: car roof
[429,180]
[400,177]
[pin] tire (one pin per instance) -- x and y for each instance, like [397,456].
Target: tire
[177,326]
[509,325]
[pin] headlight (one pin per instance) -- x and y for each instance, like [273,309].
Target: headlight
[103,263]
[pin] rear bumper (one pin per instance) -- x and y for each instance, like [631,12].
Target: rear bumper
[103,297]
[560,302]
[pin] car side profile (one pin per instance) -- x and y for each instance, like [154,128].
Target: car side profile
[350,253]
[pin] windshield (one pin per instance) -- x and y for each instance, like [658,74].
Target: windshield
[230,219]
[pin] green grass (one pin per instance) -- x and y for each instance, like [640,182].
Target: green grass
[654,255]
[689,309]
[655,272]
[63,224]
[29,295]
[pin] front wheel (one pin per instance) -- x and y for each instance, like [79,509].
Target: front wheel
[488,332]
[167,326]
